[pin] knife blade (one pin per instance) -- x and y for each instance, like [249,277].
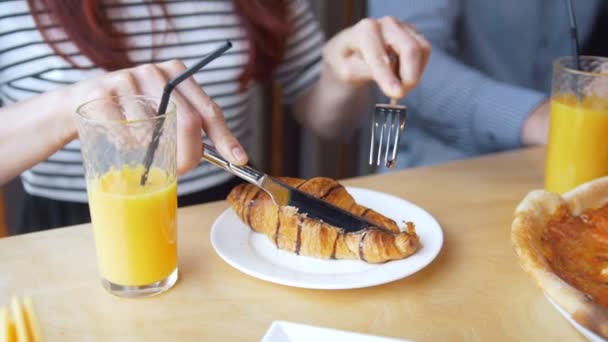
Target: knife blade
[285,195]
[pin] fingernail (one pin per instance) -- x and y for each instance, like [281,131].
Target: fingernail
[238,154]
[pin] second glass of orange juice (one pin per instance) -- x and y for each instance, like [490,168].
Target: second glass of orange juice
[578,135]
[135,226]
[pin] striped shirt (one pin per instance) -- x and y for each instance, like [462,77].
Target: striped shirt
[28,67]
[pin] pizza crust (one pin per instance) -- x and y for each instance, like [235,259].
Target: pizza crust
[531,218]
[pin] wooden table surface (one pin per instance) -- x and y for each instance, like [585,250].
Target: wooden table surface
[474,290]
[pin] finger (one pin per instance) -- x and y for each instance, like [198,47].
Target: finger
[368,37]
[424,44]
[411,55]
[414,32]
[351,69]
[411,28]
[408,26]
[213,122]
[424,52]
[189,142]
[344,63]
[189,139]
[115,108]
[123,83]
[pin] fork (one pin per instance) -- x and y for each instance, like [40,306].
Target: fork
[390,118]
[392,114]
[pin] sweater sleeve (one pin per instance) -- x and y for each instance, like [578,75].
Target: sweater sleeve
[457,102]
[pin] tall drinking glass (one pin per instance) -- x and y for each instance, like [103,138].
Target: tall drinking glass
[578,135]
[134,225]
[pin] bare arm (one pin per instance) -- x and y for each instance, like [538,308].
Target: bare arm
[31,131]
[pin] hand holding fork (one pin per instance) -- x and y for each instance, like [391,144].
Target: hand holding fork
[389,118]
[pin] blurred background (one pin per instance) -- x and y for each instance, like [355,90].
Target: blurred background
[282,146]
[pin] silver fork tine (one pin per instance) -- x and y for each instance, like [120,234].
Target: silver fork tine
[383,113]
[373,140]
[402,115]
[391,115]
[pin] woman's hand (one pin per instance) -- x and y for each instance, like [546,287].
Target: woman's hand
[360,54]
[195,109]
[34,129]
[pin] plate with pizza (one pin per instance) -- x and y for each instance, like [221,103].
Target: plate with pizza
[590,335]
[562,242]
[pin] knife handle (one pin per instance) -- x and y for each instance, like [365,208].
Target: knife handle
[247,173]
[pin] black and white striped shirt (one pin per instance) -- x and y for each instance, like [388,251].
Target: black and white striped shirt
[28,67]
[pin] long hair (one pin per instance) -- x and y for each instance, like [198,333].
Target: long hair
[88,26]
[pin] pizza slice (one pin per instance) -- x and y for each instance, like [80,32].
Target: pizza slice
[562,242]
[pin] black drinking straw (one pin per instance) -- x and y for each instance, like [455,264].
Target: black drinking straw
[574,36]
[164,101]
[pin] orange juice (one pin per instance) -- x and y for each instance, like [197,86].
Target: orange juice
[578,142]
[134,226]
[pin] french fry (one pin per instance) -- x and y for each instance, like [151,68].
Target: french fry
[12,331]
[32,320]
[19,317]
[19,322]
[4,322]
[7,327]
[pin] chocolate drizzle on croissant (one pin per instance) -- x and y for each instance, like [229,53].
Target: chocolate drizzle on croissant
[299,237]
[295,232]
[361,246]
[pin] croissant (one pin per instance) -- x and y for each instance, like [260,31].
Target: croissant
[295,232]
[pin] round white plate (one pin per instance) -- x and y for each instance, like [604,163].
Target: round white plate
[254,254]
[590,335]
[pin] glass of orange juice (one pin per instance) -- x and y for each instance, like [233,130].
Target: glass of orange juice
[578,136]
[134,225]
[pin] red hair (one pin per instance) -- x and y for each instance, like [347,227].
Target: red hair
[87,25]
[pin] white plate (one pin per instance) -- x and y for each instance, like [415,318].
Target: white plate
[590,335]
[281,331]
[254,254]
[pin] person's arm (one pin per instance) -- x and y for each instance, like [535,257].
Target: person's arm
[328,86]
[331,108]
[458,102]
[32,130]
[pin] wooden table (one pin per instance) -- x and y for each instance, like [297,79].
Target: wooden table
[474,291]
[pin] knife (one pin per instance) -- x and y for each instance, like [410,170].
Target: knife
[285,195]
